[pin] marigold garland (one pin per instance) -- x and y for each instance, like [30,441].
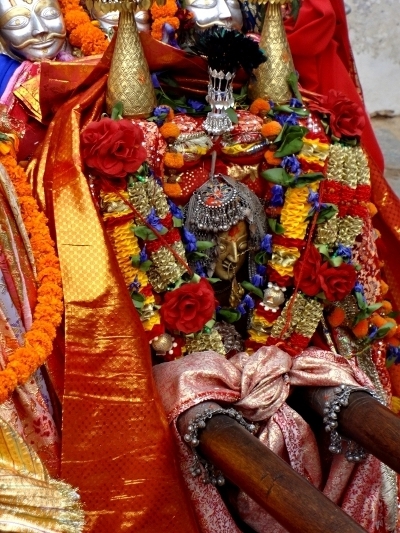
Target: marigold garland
[164,14]
[49,308]
[83,33]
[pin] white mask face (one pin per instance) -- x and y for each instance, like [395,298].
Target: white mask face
[32,31]
[216,12]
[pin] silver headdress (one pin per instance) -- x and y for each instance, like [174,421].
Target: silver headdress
[218,205]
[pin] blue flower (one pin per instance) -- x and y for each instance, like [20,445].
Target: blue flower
[180,109]
[176,212]
[393,353]
[143,255]
[189,240]
[344,251]
[154,220]
[266,244]
[161,110]
[257,280]
[358,287]
[199,268]
[313,199]
[197,106]
[241,309]
[277,196]
[135,285]
[372,332]
[261,269]
[248,300]
[291,164]
[284,118]
[295,103]
[155,82]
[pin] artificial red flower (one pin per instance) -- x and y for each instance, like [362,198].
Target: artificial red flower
[113,147]
[346,117]
[306,272]
[189,307]
[337,282]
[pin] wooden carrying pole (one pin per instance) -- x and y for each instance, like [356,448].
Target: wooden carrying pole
[296,504]
[365,421]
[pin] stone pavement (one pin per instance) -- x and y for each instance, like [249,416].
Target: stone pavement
[387,130]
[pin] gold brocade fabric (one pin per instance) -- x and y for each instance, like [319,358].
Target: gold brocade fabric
[30,500]
[116,446]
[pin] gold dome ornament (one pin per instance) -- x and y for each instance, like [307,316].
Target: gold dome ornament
[129,80]
[272,77]
[163,343]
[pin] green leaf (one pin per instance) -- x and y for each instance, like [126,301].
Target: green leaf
[366,312]
[229,315]
[327,213]
[138,300]
[144,267]
[393,314]
[4,137]
[293,83]
[323,250]
[306,179]
[278,176]
[297,110]
[144,233]
[204,245]
[178,223]
[251,288]
[135,261]
[361,301]
[336,261]
[283,131]
[260,258]
[384,330]
[195,256]
[117,111]
[390,361]
[232,115]
[289,147]
[213,280]
[210,323]
[275,226]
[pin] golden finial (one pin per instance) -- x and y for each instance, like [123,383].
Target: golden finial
[272,77]
[129,80]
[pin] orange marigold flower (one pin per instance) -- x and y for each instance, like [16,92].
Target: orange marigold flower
[271,129]
[173,190]
[372,209]
[377,320]
[384,287]
[258,105]
[386,307]
[361,329]
[173,160]
[75,18]
[170,130]
[336,317]
[271,159]
[169,9]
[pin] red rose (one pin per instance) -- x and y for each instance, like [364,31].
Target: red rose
[113,147]
[189,307]
[347,118]
[337,282]
[306,272]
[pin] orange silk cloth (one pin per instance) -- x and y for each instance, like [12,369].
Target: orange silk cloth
[116,445]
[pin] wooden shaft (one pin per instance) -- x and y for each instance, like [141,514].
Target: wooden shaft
[365,421]
[296,504]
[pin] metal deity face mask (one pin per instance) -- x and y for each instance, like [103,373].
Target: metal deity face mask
[231,250]
[34,30]
[216,12]
[110,19]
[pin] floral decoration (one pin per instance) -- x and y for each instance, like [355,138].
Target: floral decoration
[38,341]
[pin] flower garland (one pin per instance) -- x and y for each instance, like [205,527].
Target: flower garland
[162,15]
[48,311]
[83,33]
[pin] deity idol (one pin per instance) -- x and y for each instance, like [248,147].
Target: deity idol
[33,31]
[110,19]
[208,13]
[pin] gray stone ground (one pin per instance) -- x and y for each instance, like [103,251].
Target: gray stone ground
[387,130]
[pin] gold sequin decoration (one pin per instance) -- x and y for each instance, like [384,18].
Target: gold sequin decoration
[112,203]
[349,229]
[306,315]
[364,173]
[206,341]
[139,198]
[337,155]
[327,231]
[157,198]
[164,269]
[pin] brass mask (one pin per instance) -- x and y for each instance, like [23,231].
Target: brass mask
[232,247]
